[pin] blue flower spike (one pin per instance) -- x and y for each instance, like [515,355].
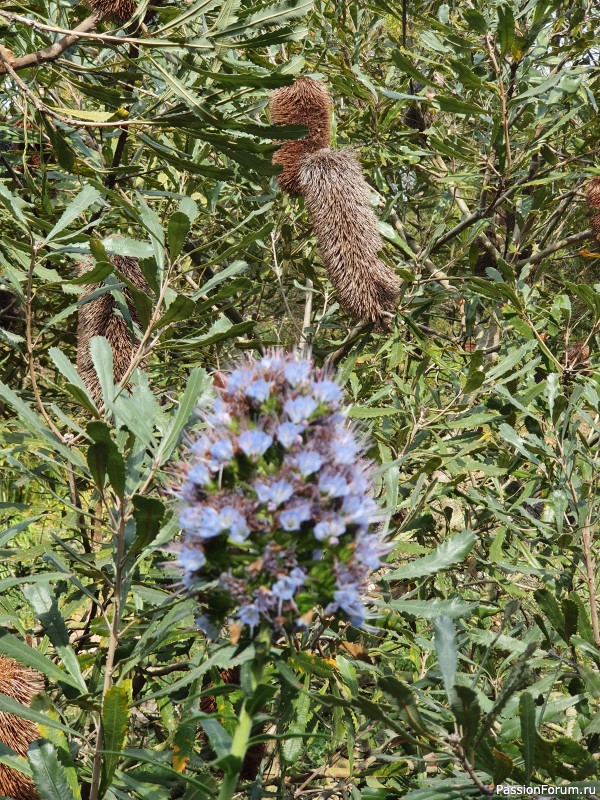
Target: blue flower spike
[276,504]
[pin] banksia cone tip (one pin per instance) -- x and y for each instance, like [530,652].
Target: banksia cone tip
[592,195]
[99,318]
[119,10]
[305,102]
[21,684]
[338,201]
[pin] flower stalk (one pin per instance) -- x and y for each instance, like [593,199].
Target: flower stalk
[248,713]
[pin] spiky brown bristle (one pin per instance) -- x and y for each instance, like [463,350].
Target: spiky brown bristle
[98,318]
[592,193]
[338,201]
[577,356]
[119,10]
[20,683]
[592,196]
[305,102]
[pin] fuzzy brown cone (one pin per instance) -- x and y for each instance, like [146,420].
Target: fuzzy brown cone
[99,318]
[305,102]
[338,201]
[119,10]
[577,356]
[592,196]
[20,683]
[592,193]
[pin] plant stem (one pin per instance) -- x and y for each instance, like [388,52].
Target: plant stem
[238,748]
[305,338]
[590,572]
[242,734]
[112,648]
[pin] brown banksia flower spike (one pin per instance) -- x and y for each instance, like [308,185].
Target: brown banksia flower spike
[305,102]
[20,683]
[100,318]
[338,201]
[118,10]
[577,357]
[592,196]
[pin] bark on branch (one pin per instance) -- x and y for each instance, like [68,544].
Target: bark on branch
[574,238]
[55,50]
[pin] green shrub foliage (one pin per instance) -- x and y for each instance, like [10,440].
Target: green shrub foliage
[477,128]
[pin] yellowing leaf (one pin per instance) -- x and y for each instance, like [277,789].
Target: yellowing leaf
[92,116]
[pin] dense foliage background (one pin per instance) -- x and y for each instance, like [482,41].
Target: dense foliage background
[477,126]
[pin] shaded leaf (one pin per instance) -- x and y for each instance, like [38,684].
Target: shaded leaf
[48,773]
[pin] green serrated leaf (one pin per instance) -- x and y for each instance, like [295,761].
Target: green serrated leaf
[148,513]
[529,733]
[467,712]
[102,358]
[445,647]
[48,773]
[180,308]
[115,719]
[450,551]
[14,648]
[45,606]
[179,227]
[292,747]
[87,197]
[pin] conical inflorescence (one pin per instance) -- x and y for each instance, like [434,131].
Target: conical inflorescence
[305,102]
[99,317]
[592,196]
[338,201]
[276,502]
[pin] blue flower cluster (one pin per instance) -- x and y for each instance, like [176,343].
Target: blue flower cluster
[275,501]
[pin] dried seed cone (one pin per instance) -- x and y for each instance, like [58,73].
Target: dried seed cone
[592,193]
[577,356]
[337,198]
[305,102]
[99,318]
[20,683]
[119,10]
[592,196]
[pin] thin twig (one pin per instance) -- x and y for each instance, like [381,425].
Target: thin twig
[55,50]
[466,765]
[504,112]
[574,238]
[305,341]
[112,647]
[29,346]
